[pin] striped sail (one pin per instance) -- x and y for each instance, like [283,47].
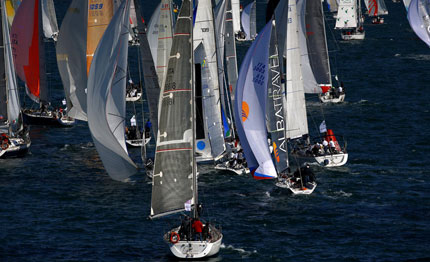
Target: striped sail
[347,14]
[204,36]
[376,7]
[418,16]
[28,50]
[297,124]
[106,96]
[313,46]
[150,76]
[275,108]
[173,171]
[71,51]
[230,51]
[250,106]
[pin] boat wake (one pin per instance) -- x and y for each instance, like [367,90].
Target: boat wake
[242,251]
[338,194]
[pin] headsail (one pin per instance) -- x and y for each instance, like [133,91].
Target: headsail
[173,170]
[250,106]
[49,20]
[248,20]
[106,96]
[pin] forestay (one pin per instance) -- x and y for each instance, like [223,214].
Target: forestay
[106,96]
[173,170]
[250,106]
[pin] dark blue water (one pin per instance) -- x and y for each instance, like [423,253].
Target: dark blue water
[58,203]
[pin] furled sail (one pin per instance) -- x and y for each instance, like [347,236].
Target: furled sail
[418,16]
[173,170]
[28,50]
[347,14]
[248,20]
[71,58]
[250,106]
[106,96]
[204,36]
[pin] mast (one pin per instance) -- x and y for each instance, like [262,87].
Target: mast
[193,110]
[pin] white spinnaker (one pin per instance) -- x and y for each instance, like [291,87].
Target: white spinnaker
[418,16]
[106,96]
[346,14]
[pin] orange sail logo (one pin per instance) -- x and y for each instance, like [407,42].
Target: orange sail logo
[275,152]
[245,111]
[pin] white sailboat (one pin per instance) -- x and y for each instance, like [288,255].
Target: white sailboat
[106,96]
[14,136]
[314,53]
[349,20]
[174,185]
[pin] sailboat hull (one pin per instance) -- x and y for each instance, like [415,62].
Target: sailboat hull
[353,36]
[195,249]
[331,160]
[237,171]
[286,183]
[327,98]
[18,147]
[49,119]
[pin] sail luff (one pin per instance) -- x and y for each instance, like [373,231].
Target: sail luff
[106,96]
[173,169]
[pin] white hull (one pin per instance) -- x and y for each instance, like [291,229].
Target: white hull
[286,183]
[67,121]
[129,98]
[353,36]
[241,171]
[332,160]
[137,142]
[17,147]
[327,98]
[195,249]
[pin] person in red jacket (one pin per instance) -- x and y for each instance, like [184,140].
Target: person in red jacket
[198,228]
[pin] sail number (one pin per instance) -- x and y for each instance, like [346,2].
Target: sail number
[96,6]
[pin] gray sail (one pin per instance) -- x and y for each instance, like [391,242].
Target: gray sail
[253,23]
[275,107]
[150,75]
[316,42]
[50,26]
[172,183]
[153,32]
[230,51]
[106,96]
[164,39]
[71,58]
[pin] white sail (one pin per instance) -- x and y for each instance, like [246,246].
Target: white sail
[419,19]
[297,123]
[250,106]
[235,7]
[49,19]
[153,33]
[407,3]
[376,7]
[204,34]
[106,96]
[247,22]
[347,14]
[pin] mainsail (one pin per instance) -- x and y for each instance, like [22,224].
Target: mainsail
[347,14]
[419,19]
[172,183]
[248,20]
[106,96]
[313,46]
[204,36]
[250,106]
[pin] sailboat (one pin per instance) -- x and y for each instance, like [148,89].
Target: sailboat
[14,136]
[249,23]
[418,16]
[349,20]
[106,96]
[266,105]
[375,9]
[174,184]
[314,53]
